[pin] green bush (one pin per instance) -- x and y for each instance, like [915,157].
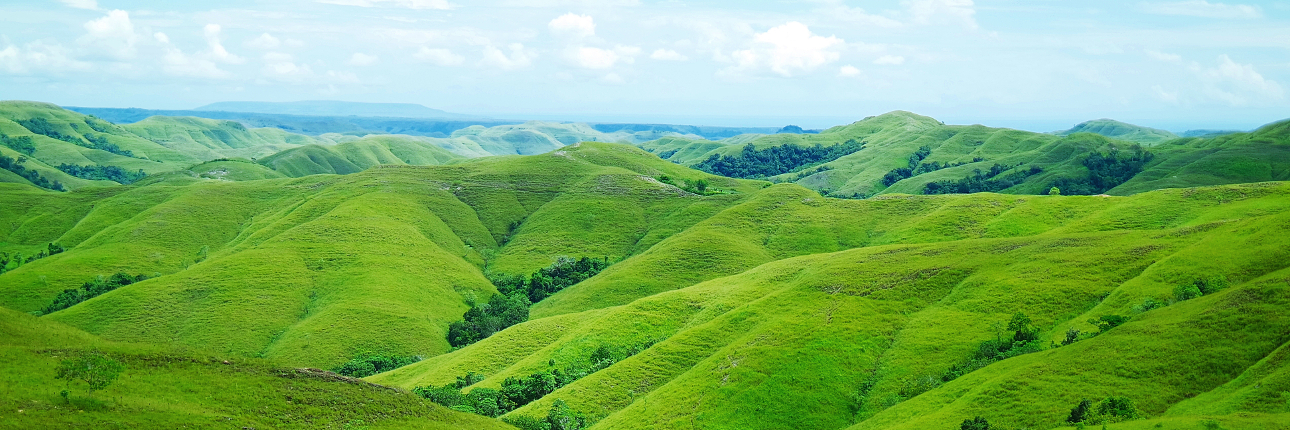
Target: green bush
[371,364]
[96,370]
[89,290]
[977,423]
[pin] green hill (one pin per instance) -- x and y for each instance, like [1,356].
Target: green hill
[1122,131]
[209,139]
[357,155]
[904,153]
[332,107]
[162,388]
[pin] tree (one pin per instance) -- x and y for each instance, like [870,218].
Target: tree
[1054,191]
[977,423]
[1080,412]
[95,369]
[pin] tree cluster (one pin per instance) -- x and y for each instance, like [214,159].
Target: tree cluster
[916,167]
[370,364]
[1106,171]
[43,127]
[1109,410]
[100,285]
[775,160]
[101,143]
[560,417]
[983,182]
[33,176]
[699,186]
[101,173]
[519,391]
[565,271]
[482,320]
[23,144]
[17,259]
[96,370]
[1024,339]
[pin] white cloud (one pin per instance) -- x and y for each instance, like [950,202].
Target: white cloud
[960,12]
[1237,84]
[282,67]
[217,50]
[849,71]
[520,57]
[573,25]
[361,59]
[112,35]
[82,4]
[1164,56]
[1205,9]
[667,55]
[437,56]
[409,4]
[788,50]
[1166,96]
[265,41]
[889,60]
[39,58]
[859,16]
[597,58]
[613,78]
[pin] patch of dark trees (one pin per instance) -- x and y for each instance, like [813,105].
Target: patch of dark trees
[32,176]
[979,181]
[43,127]
[516,294]
[370,364]
[516,392]
[1106,171]
[699,186]
[17,259]
[99,286]
[103,173]
[916,167]
[775,160]
[23,144]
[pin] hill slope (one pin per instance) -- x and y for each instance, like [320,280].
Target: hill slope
[1122,131]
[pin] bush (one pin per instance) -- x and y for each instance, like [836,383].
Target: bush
[1108,322]
[95,369]
[103,173]
[980,182]
[977,423]
[775,160]
[1186,292]
[89,290]
[371,364]
[1080,412]
[481,321]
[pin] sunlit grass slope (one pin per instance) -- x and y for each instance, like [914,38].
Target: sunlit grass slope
[147,155]
[891,139]
[314,270]
[788,343]
[164,388]
[354,156]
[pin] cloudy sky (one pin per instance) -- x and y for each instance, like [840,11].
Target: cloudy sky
[1032,64]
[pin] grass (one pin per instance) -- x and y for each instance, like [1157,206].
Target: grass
[178,388]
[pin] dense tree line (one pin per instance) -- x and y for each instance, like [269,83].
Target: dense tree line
[519,391]
[17,259]
[699,186]
[992,180]
[916,167]
[370,364]
[33,176]
[23,144]
[1024,339]
[775,160]
[101,172]
[482,320]
[100,285]
[1109,410]
[43,127]
[1106,171]
[562,273]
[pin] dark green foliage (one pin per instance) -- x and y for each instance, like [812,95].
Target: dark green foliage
[1024,340]
[520,391]
[667,154]
[982,182]
[1108,322]
[915,169]
[1072,336]
[775,160]
[977,423]
[100,172]
[483,320]
[23,144]
[370,364]
[561,417]
[70,297]
[18,260]
[1116,409]
[547,281]
[1080,412]
[1106,171]
[43,127]
[1148,304]
[95,369]
[17,168]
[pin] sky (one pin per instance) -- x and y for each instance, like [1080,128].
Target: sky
[1039,65]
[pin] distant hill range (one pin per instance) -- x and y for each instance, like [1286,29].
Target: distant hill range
[1120,130]
[334,108]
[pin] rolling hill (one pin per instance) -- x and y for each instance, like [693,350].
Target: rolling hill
[1122,131]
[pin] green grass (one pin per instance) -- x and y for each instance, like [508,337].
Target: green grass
[165,388]
[1122,131]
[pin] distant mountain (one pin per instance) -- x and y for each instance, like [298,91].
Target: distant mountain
[1208,133]
[333,108]
[1120,130]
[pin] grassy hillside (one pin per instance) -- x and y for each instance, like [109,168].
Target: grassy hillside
[1122,131]
[904,153]
[209,139]
[334,266]
[831,339]
[162,388]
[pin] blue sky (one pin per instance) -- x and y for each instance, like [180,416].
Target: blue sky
[1035,64]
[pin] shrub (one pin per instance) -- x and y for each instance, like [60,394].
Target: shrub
[1148,304]
[95,369]
[1080,412]
[977,423]
[1186,292]
[370,364]
[1116,409]
[89,290]
[1108,322]
[1072,336]
[775,160]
